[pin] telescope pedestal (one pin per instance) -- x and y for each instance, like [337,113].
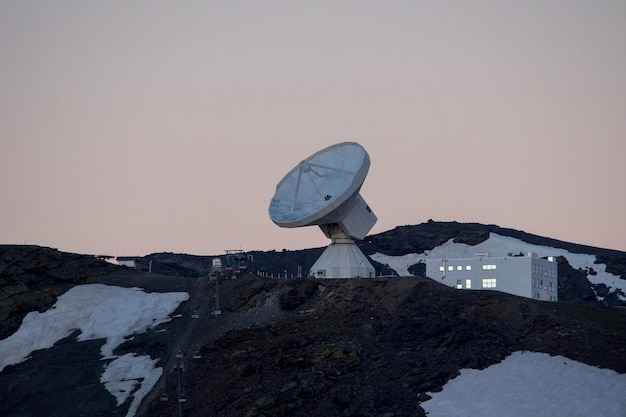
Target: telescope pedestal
[342,259]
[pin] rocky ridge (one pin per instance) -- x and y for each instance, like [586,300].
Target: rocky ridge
[402,240]
[291,347]
[32,277]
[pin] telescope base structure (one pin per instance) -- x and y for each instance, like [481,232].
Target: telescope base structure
[342,259]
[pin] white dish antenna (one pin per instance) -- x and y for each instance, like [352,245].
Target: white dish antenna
[324,190]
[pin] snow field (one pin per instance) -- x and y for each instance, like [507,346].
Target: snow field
[532,384]
[100,312]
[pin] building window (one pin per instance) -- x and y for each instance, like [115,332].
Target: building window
[441,268]
[468,268]
[468,283]
[489,267]
[459,283]
[459,268]
[450,268]
[489,283]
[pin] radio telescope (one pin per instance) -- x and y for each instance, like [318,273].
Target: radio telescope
[323,190]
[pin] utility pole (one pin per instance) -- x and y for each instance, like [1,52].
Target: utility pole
[217,295]
[179,363]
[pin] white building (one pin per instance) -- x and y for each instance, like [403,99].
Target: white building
[524,275]
[129,261]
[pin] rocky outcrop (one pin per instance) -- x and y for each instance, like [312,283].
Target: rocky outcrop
[377,347]
[32,277]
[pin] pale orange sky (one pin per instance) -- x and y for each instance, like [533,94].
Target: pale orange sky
[128,128]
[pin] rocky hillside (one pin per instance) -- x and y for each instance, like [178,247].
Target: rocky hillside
[295,347]
[375,347]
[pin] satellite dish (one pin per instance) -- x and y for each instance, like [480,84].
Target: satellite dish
[323,190]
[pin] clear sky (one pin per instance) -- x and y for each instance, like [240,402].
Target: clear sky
[128,128]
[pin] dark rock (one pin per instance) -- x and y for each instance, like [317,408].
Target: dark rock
[306,380]
[422,397]
[342,399]
[249,369]
[266,401]
[289,392]
[294,297]
[601,290]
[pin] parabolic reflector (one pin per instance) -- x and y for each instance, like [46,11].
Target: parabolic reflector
[324,190]
[319,185]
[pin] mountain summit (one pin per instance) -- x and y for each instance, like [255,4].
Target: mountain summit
[117,341]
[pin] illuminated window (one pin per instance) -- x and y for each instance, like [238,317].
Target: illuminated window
[468,268]
[468,283]
[489,283]
[459,268]
[459,283]
[489,267]
[450,268]
[441,268]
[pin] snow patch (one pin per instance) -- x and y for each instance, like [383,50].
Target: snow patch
[532,384]
[99,311]
[123,374]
